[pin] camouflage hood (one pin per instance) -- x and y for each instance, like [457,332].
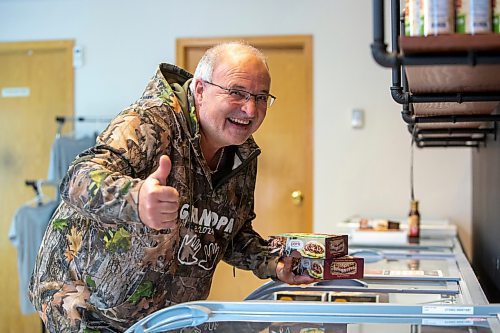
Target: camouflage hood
[99,265]
[170,85]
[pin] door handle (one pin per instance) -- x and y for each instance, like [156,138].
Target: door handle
[297,197]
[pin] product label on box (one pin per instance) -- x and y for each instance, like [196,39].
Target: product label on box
[296,244]
[347,267]
[328,269]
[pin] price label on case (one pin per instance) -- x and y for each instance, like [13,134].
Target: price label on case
[448,310]
[447,322]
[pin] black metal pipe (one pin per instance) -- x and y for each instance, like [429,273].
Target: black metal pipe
[382,57]
[379,47]
[446,145]
[454,118]
[398,95]
[454,131]
[407,117]
[378,22]
[395,29]
[395,22]
[401,97]
[454,97]
[450,139]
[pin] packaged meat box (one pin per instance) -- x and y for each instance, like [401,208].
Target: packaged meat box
[319,246]
[346,267]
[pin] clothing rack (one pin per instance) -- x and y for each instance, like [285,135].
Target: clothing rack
[37,184]
[61,120]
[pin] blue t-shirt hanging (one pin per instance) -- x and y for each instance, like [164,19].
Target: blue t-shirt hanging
[26,233]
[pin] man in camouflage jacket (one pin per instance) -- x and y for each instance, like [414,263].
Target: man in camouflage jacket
[164,195]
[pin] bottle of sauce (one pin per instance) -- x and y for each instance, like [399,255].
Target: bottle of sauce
[414,221]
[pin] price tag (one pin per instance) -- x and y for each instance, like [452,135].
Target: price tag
[447,322]
[457,310]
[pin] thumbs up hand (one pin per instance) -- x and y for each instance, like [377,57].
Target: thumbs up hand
[159,203]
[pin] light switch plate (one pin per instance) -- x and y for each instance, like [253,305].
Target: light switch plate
[77,56]
[357,118]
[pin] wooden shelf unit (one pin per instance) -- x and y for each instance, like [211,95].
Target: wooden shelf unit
[448,85]
[451,43]
[452,79]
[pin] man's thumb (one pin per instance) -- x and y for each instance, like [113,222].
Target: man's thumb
[163,170]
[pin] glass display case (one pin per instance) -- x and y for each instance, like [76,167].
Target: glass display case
[427,286]
[310,317]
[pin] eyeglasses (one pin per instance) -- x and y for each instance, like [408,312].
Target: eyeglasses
[242,96]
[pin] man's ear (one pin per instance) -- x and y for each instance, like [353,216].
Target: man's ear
[198,89]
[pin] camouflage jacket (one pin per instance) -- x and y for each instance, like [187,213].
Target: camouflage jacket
[98,258]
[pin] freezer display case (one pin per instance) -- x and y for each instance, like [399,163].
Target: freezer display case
[312,317]
[410,274]
[424,287]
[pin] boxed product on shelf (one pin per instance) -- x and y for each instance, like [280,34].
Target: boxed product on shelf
[374,237]
[309,245]
[346,267]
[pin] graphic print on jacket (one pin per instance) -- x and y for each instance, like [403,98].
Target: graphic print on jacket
[199,247]
[208,224]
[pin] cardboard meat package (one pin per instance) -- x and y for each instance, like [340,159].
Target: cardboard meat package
[330,269]
[309,245]
[321,256]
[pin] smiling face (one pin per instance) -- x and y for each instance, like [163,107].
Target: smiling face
[223,121]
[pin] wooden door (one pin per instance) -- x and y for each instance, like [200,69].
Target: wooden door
[285,137]
[36,80]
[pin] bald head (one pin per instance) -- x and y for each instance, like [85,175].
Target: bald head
[225,52]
